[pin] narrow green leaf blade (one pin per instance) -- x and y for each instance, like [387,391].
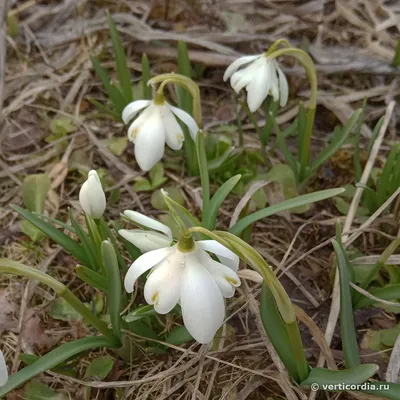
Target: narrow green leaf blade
[243,223]
[59,237]
[276,330]
[356,375]
[347,328]
[52,359]
[205,180]
[92,278]
[124,75]
[114,285]
[218,198]
[336,143]
[146,75]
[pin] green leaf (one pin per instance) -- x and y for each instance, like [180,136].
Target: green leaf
[99,368]
[243,223]
[35,390]
[276,330]
[388,292]
[301,132]
[59,237]
[158,201]
[179,335]
[218,198]
[390,390]
[52,359]
[157,175]
[337,142]
[142,185]
[63,311]
[35,189]
[356,375]
[396,58]
[92,278]
[124,75]
[114,291]
[60,127]
[67,369]
[146,75]
[216,163]
[117,145]
[139,313]
[180,214]
[347,328]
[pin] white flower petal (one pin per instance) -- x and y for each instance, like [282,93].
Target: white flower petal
[226,256]
[242,78]
[237,64]
[217,269]
[145,240]
[163,286]
[92,197]
[137,124]
[203,308]
[3,370]
[148,222]
[143,264]
[133,108]
[274,88]
[258,88]
[150,141]
[173,131]
[283,88]
[227,290]
[187,119]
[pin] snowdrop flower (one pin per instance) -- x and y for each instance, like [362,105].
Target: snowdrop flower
[189,277]
[92,197]
[261,76]
[155,126]
[3,370]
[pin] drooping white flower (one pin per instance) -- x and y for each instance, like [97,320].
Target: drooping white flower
[155,126]
[3,370]
[92,197]
[260,76]
[191,278]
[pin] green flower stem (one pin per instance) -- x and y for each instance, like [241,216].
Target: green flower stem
[187,84]
[309,66]
[15,268]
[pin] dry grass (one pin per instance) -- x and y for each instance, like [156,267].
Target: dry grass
[48,73]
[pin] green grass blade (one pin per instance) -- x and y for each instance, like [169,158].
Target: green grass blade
[375,133]
[146,75]
[70,245]
[336,143]
[396,60]
[116,97]
[52,359]
[104,108]
[216,201]
[357,160]
[124,75]
[347,328]
[205,180]
[310,198]
[92,278]
[383,186]
[355,376]
[114,291]
[276,331]
[87,244]
[270,115]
